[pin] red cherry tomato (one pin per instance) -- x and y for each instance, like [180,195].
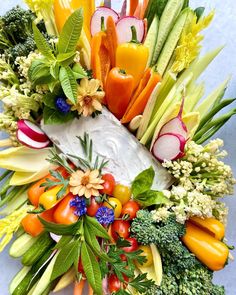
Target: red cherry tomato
[120,228]
[114,283]
[133,247]
[131,208]
[93,207]
[108,185]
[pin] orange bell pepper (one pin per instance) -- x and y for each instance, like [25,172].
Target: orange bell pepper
[119,88]
[64,213]
[32,224]
[140,102]
[36,190]
[210,251]
[211,225]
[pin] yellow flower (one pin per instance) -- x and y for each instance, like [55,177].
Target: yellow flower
[89,99]
[86,183]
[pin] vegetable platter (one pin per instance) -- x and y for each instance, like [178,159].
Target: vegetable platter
[113,179]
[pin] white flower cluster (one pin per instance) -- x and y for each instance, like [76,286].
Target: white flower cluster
[201,179]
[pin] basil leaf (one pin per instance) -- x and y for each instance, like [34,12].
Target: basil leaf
[65,259]
[150,198]
[71,31]
[53,116]
[60,229]
[91,268]
[143,182]
[66,58]
[97,228]
[68,83]
[42,44]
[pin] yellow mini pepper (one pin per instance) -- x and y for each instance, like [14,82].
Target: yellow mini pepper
[209,250]
[132,57]
[49,199]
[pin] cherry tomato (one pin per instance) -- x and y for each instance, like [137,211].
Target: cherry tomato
[64,213]
[32,224]
[148,255]
[115,205]
[120,228]
[93,207]
[122,193]
[108,185]
[133,247]
[114,283]
[130,208]
[49,198]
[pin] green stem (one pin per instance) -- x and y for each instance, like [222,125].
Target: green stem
[134,35]
[103,24]
[5,186]
[5,174]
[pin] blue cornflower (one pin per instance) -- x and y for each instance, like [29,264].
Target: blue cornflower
[62,105]
[105,216]
[80,206]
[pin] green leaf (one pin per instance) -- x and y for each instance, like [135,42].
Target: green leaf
[97,228]
[79,72]
[64,240]
[39,72]
[143,182]
[53,116]
[150,198]
[54,70]
[91,268]
[49,100]
[66,58]
[60,229]
[42,44]
[68,83]
[65,259]
[71,31]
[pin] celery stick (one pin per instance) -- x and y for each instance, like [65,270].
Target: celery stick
[171,42]
[194,97]
[15,203]
[208,102]
[151,38]
[5,174]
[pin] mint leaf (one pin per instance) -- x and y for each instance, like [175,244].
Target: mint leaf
[53,116]
[97,228]
[42,44]
[150,198]
[71,31]
[65,259]
[91,268]
[143,182]
[68,83]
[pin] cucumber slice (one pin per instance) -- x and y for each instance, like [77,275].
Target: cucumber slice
[172,41]
[18,278]
[168,18]
[21,245]
[151,38]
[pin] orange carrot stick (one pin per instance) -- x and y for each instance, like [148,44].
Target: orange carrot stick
[90,290]
[132,6]
[143,8]
[112,40]
[78,288]
[139,105]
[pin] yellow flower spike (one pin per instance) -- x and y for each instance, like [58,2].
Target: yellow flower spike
[10,224]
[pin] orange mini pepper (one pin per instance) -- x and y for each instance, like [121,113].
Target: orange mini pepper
[210,251]
[119,88]
[64,213]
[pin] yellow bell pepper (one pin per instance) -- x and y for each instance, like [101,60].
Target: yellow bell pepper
[132,57]
[210,225]
[210,251]
[49,199]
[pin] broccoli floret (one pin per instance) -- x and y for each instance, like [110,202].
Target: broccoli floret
[22,49]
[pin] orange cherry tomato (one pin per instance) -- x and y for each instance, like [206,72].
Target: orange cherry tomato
[32,224]
[130,208]
[36,190]
[115,205]
[108,185]
[122,193]
[64,213]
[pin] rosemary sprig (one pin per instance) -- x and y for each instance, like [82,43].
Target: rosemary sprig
[59,160]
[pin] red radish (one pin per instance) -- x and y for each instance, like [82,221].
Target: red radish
[176,125]
[32,130]
[169,147]
[96,20]
[124,29]
[26,140]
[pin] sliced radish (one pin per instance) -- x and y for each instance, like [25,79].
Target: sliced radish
[124,29]
[176,125]
[169,147]
[32,130]
[26,140]
[55,238]
[96,20]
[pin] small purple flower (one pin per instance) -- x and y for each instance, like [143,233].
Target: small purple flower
[62,105]
[105,216]
[80,206]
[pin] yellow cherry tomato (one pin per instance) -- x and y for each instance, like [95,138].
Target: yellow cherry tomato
[122,193]
[115,205]
[49,199]
[147,253]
